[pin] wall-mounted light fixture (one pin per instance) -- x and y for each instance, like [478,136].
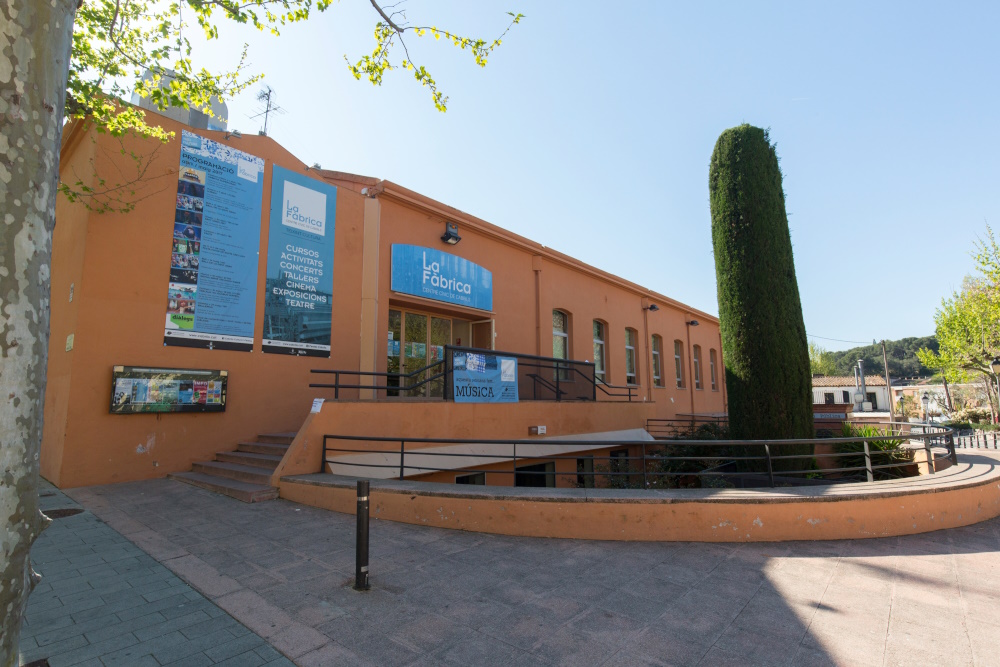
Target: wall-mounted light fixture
[233,133]
[451,236]
[692,323]
[652,308]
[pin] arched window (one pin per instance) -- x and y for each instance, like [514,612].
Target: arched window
[697,366]
[600,359]
[711,369]
[631,373]
[679,363]
[657,361]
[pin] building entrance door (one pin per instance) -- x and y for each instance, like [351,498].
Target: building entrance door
[483,334]
[416,340]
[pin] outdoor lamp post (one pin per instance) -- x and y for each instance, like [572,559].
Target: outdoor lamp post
[926,400]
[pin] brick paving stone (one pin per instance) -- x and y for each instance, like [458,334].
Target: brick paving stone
[445,597]
[105,603]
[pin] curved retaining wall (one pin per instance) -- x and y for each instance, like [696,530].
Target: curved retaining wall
[961,495]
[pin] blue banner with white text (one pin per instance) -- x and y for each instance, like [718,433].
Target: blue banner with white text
[298,304]
[484,378]
[441,276]
[215,246]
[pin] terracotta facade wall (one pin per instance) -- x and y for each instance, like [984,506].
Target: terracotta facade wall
[118,265]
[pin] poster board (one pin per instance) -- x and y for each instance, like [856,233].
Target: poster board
[215,243]
[298,301]
[136,390]
[484,378]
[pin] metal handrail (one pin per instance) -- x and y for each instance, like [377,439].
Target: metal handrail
[931,437]
[559,366]
[337,385]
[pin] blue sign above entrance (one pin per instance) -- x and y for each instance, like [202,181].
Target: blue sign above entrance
[441,276]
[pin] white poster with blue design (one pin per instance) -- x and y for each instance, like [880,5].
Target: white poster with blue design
[440,276]
[215,247]
[484,378]
[298,304]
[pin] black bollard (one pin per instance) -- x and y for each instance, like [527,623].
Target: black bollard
[361,549]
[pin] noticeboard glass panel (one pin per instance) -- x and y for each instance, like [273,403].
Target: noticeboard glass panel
[136,390]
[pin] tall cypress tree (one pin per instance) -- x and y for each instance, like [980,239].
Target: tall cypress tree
[763,335]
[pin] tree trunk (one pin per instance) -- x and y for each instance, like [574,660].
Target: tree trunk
[989,397]
[35,42]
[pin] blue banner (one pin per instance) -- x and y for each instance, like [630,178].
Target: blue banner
[484,378]
[441,276]
[212,296]
[298,307]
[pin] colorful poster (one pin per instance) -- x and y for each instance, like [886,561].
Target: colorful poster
[484,378]
[215,245]
[441,276]
[298,308]
[135,390]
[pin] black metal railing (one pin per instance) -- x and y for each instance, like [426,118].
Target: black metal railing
[977,440]
[645,464]
[687,427]
[538,379]
[337,385]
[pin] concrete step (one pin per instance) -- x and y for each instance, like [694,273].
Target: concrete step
[248,493]
[242,473]
[267,461]
[274,449]
[276,438]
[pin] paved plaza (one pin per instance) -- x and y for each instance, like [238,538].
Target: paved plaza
[277,577]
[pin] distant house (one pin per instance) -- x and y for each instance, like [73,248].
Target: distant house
[843,390]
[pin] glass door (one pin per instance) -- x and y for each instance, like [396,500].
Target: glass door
[416,341]
[415,351]
[395,346]
[440,336]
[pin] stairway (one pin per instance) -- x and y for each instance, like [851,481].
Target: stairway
[244,474]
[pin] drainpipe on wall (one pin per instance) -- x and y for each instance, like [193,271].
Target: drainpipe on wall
[722,376]
[646,346]
[687,327]
[536,266]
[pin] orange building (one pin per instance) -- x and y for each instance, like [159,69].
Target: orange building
[117,277]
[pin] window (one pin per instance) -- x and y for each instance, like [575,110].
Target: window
[870,397]
[477,478]
[585,470]
[847,396]
[711,369]
[631,376]
[697,366]
[599,363]
[542,474]
[828,398]
[560,335]
[679,363]
[657,367]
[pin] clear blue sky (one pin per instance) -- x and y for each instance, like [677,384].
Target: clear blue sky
[591,129]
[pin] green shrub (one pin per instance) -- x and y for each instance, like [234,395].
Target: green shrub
[763,335]
[978,416]
[893,450]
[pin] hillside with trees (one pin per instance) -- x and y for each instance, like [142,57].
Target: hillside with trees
[902,354]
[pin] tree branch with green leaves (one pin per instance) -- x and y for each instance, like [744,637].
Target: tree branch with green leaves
[142,47]
[967,325]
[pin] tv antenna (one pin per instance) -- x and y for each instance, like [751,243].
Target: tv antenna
[266,98]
